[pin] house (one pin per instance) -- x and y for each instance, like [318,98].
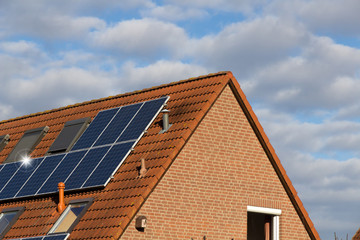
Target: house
[203,169]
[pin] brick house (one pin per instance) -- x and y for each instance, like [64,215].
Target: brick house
[210,174]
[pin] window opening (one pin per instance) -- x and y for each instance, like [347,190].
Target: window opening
[26,144]
[69,135]
[4,140]
[70,217]
[263,223]
[7,218]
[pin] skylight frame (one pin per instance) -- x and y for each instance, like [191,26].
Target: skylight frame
[24,145]
[18,210]
[87,201]
[61,143]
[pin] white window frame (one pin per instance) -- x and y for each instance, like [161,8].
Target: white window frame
[275,218]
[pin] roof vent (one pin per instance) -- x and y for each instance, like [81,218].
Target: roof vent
[165,123]
[4,140]
[61,204]
[142,170]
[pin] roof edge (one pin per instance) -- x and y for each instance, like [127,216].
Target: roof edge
[117,96]
[270,152]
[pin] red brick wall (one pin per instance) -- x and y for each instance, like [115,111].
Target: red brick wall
[220,171]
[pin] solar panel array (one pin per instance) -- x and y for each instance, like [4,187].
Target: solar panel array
[95,157]
[63,236]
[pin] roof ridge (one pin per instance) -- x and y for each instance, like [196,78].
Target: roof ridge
[116,96]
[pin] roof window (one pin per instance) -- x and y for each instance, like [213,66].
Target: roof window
[26,144]
[7,218]
[71,216]
[4,140]
[69,135]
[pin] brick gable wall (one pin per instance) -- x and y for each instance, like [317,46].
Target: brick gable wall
[221,170]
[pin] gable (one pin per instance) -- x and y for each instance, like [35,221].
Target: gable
[222,169]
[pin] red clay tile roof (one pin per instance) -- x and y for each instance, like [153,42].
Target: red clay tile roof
[116,204]
[357,235]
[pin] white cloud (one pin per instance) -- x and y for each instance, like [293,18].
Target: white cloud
[53,27]
[173,13]
[323,75]
[143,38]
[329,190]
[248,46]
[20,47]
[158,73]
[328,138]
[57,86]
[325,16]
[246,6]
[7,111]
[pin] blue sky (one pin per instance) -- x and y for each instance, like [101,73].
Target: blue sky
[297,61]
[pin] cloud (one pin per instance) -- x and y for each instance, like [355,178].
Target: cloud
[59,86]
[336,18]
[158,73]
[7,111]
[51,27]
[323,76]
[329,138]
[329,190]
[142,38]
[248,46]
[246,6]
[174,13]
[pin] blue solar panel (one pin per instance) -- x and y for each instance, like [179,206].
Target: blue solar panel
[7,172]
[118,124]
[94,159]
[86,166]
[94,130]
[40,176]
[142,120]
[66,166]
[62,236]
[56,237]
[109,164]
[20,177]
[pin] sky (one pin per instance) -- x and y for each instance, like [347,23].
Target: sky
[297,61]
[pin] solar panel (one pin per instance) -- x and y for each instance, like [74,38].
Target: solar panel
[85,167]
[43,172]
[61,172]
[62,236]
[141,120]
[94,130]
[108,165]
[95,157]
[56,237]
[6,173]
[118,124]
[19,178]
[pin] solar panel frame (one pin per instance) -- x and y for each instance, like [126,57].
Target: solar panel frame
[165,100]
